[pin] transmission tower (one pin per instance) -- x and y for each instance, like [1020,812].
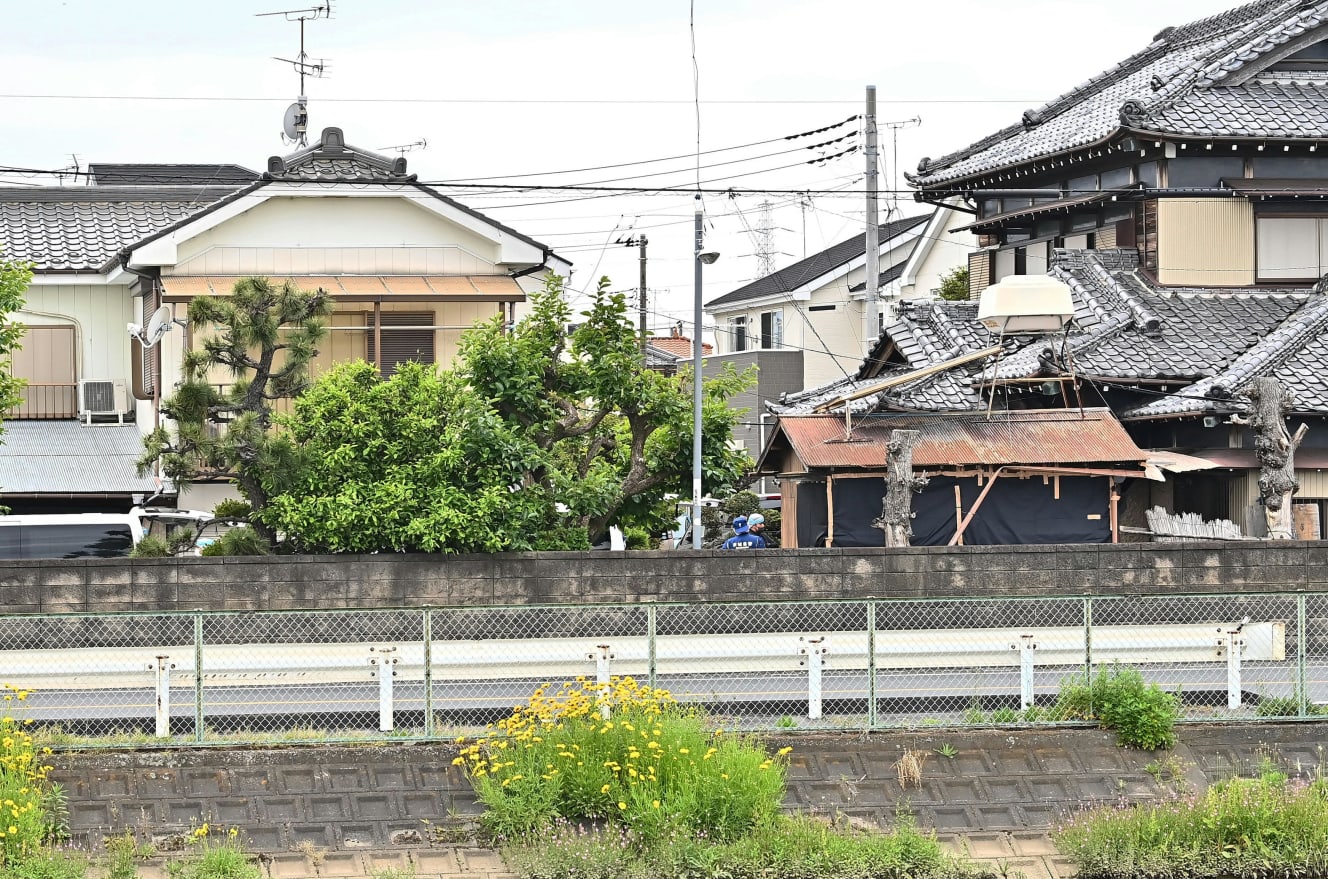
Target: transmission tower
[762,235]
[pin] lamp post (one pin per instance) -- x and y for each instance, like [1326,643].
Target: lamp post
[699,259]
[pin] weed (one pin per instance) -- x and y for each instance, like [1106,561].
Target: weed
[123,853]
[394,873]
[50,864]
[312,851]
[1005,715]
[974,714]
[786,722]
[1171,771]
[209,859]
[909,767]
[1143,715]
[947,750]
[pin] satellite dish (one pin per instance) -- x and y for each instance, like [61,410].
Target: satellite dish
[158,326]
[296,120]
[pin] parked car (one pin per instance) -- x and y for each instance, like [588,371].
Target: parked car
[88,535]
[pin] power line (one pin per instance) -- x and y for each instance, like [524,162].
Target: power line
[507,101]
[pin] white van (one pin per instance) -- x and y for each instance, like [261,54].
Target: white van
[87,535]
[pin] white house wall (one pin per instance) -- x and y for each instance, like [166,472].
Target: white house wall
[941,252]
[99,315]
[336,235]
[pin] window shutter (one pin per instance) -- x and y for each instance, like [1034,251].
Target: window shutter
[401,345]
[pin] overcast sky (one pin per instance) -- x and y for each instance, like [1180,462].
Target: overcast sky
[532,87]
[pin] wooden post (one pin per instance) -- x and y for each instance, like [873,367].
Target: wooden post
[829,511]
[1115,500]
[959,511]
[897,509]
[1275,450]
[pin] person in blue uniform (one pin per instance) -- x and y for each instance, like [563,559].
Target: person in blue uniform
[742,537]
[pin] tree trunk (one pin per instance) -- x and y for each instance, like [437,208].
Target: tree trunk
[1275,449]
[897,511]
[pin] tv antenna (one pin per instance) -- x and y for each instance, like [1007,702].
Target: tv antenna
[295,123]
[158,326]
[403,148]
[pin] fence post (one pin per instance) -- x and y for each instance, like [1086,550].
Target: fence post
[1088,648]
[871,665]
[386,696]
[1027,647]
[428,673]
[814,650]
[650,645]
[199,734]
[602,677]
[162,666]
[1302,678]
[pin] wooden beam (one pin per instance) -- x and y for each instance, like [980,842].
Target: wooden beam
[910,377]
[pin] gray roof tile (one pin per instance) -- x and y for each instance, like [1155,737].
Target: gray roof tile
[1188,81]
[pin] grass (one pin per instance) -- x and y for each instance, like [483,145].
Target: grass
[1244,828]
[782,848]
[213,857]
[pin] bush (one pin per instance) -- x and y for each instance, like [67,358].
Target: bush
[651,767]
[1238,828]
[1143,715]
[232,510]
[239,541]
[209,859]
[151,547]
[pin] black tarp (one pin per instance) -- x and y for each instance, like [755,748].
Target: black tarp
[1015,511]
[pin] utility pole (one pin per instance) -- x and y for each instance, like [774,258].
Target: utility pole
[641,301]
[872,306]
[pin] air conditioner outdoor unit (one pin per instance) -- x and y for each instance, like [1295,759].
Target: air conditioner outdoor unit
[102,397]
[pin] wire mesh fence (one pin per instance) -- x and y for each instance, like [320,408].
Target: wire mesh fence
[421,673]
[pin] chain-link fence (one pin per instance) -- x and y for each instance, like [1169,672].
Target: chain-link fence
[332,675]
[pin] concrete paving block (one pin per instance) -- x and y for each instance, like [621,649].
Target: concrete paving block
[985,846]
[1032,845]
[290,865]
[379,861]
[342,864]
[436,862]
[481,859]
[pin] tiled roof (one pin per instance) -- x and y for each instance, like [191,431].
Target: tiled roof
[140,174]
[679,346]
[65,457]
[81,229]
[658,358]
[891,274]
[1199,79]
[1124,330]
[332,160]
[817,265]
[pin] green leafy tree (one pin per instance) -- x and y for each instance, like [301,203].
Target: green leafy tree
[267,336]
[954,284]
[417,462]
[613,437]
[14,280]
[538,440]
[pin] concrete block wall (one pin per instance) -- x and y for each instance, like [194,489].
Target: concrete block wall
[521,579]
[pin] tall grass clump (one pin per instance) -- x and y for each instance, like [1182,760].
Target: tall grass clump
[1143,715]
[651,766]
[1243,828]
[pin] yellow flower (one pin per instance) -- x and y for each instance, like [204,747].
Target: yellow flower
[604,789]
[622,805]
[459,761]
[783,751]
[655,804]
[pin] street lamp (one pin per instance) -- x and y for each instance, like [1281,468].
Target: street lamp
[699,260]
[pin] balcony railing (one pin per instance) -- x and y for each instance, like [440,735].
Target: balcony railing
[46,400]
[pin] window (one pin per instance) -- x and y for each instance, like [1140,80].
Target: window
[401,345]
[1291,248]
[738,332]
[772,329]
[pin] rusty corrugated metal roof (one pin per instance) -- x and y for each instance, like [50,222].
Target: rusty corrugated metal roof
[1060,436]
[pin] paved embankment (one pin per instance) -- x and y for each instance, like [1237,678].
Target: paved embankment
[339,811]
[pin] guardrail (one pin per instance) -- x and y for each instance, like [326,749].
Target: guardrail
[870,664]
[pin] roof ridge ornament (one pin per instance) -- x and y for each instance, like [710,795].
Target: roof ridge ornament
[1133,112]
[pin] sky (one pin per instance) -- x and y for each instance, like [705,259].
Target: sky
[578,92]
